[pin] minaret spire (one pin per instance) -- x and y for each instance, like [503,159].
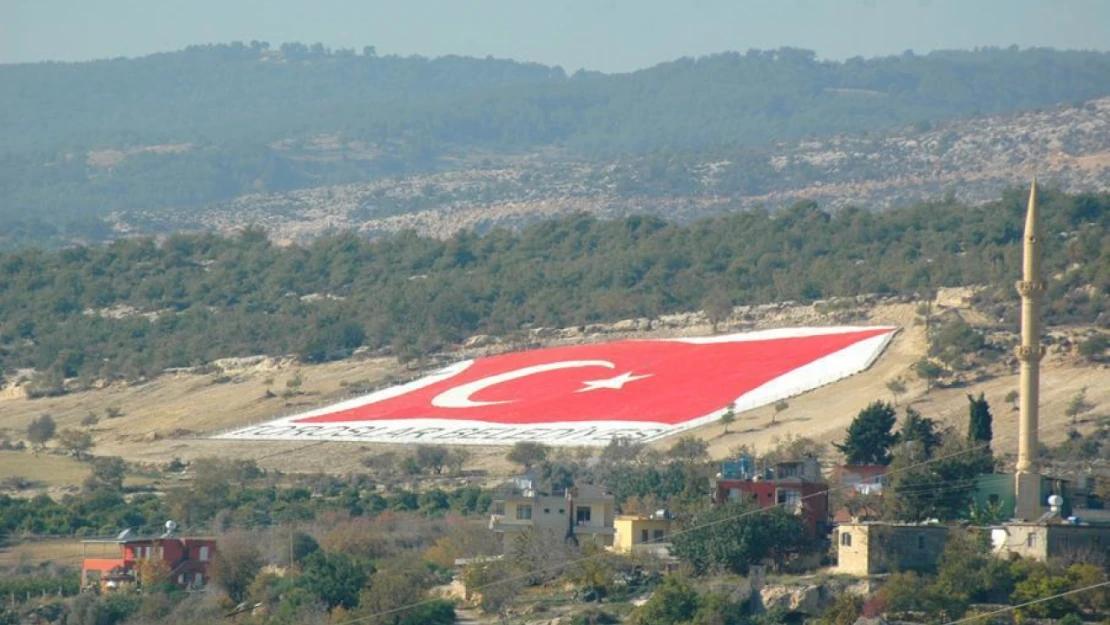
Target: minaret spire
[1030,352]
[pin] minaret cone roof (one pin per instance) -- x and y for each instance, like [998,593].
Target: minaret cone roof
[1032,218]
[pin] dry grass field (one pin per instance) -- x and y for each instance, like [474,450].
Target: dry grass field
[43,469]
[173,416]
[64,551]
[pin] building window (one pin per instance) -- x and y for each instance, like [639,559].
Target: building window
[1031,540]
[547,510]
[789,496]
[657,535]
[562,511]
[204,553]
[524,512]
[920,542]
[582,514]
[198,580]
[643,536]
[845,539]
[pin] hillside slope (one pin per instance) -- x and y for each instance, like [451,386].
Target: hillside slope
[173,416]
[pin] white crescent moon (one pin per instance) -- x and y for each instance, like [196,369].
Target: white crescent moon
[459,397]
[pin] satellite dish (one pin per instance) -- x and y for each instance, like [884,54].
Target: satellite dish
[171,525]
[1055,501]
[124,535]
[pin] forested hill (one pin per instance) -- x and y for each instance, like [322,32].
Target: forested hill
[251,94]
[134,307]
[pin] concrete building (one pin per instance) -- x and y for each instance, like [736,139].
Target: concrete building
[876,548]
[1047,541]
[584,513]
[1000,489]
[119,563]
[796,486]
[639,534]
[865,479]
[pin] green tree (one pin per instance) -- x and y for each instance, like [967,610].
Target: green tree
[527,454]
[238,562]
[76,442]
[432,457]
[1078,405]
[968,572]
[689,448]
[303,545]
[674,603]
[1011,398]
[107,474]
[941,489]
[979,420]
[1086,575]
[846,610]
[1041,583]
[727,419]
[41,429]
[780,406]
[498,584]
[919,432]
[734,536]
[718,307]
[1094,346]
[398,583]
[336,579]
[929,371]
[870,436]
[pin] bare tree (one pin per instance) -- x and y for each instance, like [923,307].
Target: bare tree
[897,388]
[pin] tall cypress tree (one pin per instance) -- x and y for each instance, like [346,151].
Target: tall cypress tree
[979,420]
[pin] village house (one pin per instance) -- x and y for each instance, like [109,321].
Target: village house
[121,562]
[643,534]
[1074,542]
[796,486]
[865,479]
[583,513]
[874,548]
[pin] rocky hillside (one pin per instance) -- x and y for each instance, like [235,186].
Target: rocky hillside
[972,160]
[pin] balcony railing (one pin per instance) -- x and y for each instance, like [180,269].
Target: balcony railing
[501,522]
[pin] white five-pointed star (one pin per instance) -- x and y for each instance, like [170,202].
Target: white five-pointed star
[614,383]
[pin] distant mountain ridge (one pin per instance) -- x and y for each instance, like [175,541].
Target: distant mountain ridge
[250,93]
[162,137]
[971,160]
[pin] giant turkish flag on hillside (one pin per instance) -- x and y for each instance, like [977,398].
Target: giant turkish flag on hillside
[586,394]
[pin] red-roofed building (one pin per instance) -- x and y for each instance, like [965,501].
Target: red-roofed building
[118,563]
[796,486]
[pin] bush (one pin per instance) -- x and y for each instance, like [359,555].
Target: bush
[593,616]
[844,611]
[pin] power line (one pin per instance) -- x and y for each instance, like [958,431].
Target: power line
[1011,608]
[573,562]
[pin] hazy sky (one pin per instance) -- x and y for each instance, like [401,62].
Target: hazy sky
[609,35]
